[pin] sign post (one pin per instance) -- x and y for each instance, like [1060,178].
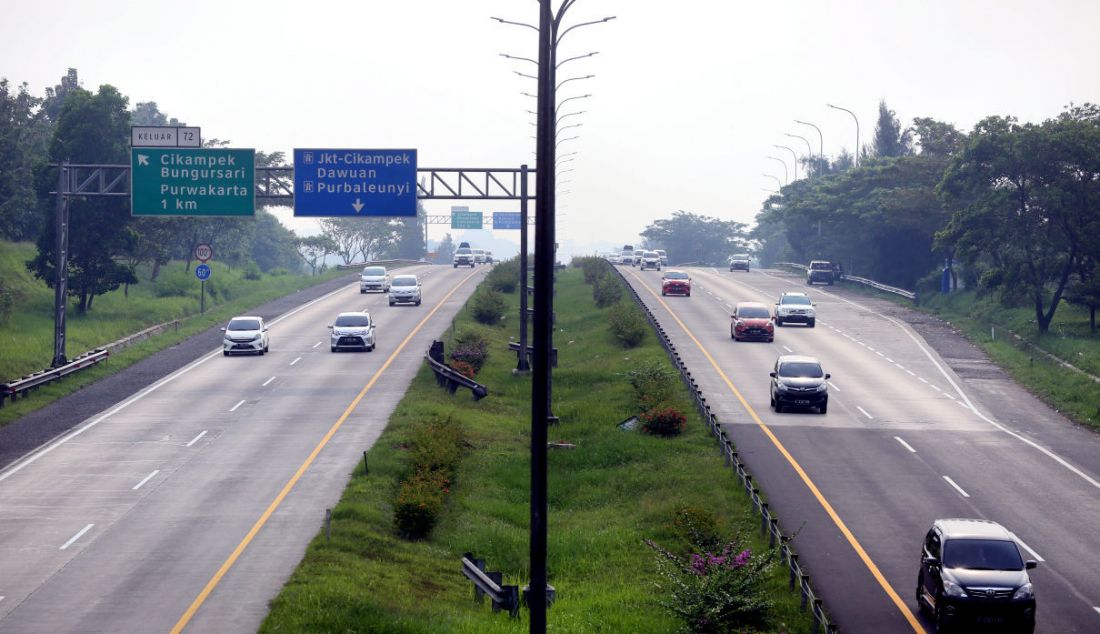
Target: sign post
[186,182]
[355,183]
[202,272]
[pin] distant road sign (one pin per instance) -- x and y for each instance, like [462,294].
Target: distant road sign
[203,252]
[186,182]
[466,220]
[368,183]
[506,220]
[202,272]
[165,136]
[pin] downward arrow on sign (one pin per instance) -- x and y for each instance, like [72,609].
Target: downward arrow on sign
[357,205]
[143,159]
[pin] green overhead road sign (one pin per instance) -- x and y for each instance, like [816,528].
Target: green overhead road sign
[466,219]
[192,182]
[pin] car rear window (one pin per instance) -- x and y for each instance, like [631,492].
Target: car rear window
[801,369]
[374,271]
[675,275]
[982,554]
[404,281]
[741,256]
[753,312]
[801,300]
[243,324]
[353,321]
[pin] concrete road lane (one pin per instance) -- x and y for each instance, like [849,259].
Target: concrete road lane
[905,441]
[121,527]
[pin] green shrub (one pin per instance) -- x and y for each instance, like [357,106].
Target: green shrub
[607,289]
[487,307]
[470,347]
[176,283]
[653,383]
[593,267]
[698,528]
[465,369]
[252,271]
[628,324]
[419,503]
[278,272]
[7,301]
[437,446]
[663,421]
[505,276]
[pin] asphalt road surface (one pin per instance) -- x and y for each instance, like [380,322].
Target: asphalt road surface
[917,429]
[188,504]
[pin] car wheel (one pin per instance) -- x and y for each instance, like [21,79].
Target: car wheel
[225,353]
[824,408]
[811,323]
[418,302]
[771,401]
[778,323]
[778,407]
[687,294]
[920,595]
[664,294]
[371,348]
[391,303]
[939,618]
[771,339]
[362,292]
[263,352]
[332,348]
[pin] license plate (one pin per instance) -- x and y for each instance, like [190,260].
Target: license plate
[990,620]
[801,402]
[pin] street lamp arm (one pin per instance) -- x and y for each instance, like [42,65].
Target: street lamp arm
[565,6]
[573,58]
[577,26]
[568,114]
[560,103]
[856,119]
[503,21]
[786,174]
[516,57]
[524,75]
[564,81]
[820,137]
[572,138]
[794,155]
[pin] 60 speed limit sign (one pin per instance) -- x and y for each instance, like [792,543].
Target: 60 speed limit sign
[203,252]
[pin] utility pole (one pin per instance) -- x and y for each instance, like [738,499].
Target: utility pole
[523,366]
[61,265]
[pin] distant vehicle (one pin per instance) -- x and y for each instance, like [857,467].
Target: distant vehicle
[405,290]
[247,333]
[799,381]
[627,257]
[488,257]
[637,258]
[676,283]
[740,262]
[820,272]
[972,575]
[614,258]
[374,278]
[664,256]
[352,330]
[649,260]
[479,256]
[795,307]
[751,320]
[464,245]
[464,256]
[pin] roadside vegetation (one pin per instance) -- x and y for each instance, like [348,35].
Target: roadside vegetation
[609,492]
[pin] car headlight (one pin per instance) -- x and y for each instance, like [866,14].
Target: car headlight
[822,387]
[257,337]
[782,387]
[1024,592]
[952,589]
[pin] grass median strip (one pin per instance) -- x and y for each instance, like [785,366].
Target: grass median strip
[608,493]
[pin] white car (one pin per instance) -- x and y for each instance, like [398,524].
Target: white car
[614,258]
[374,278]
[664,256]
[794,307]
[405,289]
[627,258]
[246,333]
[352,330]
[479,256]
[650,260]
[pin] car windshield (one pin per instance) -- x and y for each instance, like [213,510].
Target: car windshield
[244,324]
[462,251]
[982,554]
[741,256]
[801,370]
[676,275]
[374,271]
[404,281]
[800,300]
[753,312]
[821,266]
[352,321]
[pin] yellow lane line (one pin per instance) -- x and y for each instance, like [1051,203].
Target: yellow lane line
[232,559]
[875,572]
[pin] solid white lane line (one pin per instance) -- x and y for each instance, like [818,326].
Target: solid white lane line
[1034,555]
[956,487]
[862,344]
[296,361]
[239,403]
[963,405]
[905,444]
[788,349]
[864,412]
[1097,609]
[900,366]
[833,385]
[77,536]
[870,348]
[268,381]
[196,438]
[922,379]
[146,479]
[889,359]
[879,353]
[316,344]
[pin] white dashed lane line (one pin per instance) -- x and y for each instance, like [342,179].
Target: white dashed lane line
[911,373]
[1034,554]
[239,403]
[956,487]
[77,536]
[145,479]
[316,344]
[788,349]
[296,361]
[196,438]
[937,388]
[268,381]
[922,379]
[889,359]
[905,444]
[864,412]
[833,385]
[1097,609]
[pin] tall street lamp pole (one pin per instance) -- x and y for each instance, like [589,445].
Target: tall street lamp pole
[794,156]
[856,119]
[776,179]
[786,174]
[820,137]
[809,148]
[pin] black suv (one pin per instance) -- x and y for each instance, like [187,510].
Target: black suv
[740,262]
[799,381]
[972,575]
[820,272]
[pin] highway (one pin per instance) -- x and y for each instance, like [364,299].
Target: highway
[912,434]
[186,506]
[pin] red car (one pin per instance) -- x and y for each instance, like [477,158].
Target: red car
[676,283]
[751,320]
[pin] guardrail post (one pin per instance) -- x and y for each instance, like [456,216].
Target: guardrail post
[803,583]
[773,528]
[792,561]
[763,517]
[816,609]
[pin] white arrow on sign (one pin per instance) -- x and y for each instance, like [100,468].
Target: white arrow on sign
[143,159]
[357,205]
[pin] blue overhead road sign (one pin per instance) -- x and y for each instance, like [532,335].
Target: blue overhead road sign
[366,183]
[506,220]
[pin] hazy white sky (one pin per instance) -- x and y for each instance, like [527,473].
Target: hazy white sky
[688,99]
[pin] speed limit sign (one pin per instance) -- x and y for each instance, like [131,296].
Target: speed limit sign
[203,252]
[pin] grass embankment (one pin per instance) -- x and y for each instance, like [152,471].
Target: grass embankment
[605,496]
[26,332]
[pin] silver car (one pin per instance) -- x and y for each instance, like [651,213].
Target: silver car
[374,278]
[246,333]
[405,289]
[352,330]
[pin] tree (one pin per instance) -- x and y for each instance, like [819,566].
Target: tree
[445,250]
[314,249]
[147,113]
[890,140]
[690,237]
[90,129]
[24,136]
[54,102]
[272,244]
[408,236]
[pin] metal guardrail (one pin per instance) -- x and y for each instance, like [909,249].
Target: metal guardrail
[448,377]
[769,523]
[489,584]
[514,347]
[860,280]
[24,385]
[359,265]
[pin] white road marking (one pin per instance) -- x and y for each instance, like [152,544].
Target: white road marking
[878,353]
[862,344]
[77,536]
[910,372]
[889,359]
[788,349]
[196,438]
[296,361]
[268,381]
[1034,554]
[900,366]
[905,444]
[950,396]
[1097,609]
[316,344]
[935,387]
[864,412]
[147,478]
[833,385]
[961,404]
[32,458]
[922,379]
[239,403]
[870,348]
[957,487]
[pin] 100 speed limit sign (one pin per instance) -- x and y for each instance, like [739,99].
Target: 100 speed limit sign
[203,252]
